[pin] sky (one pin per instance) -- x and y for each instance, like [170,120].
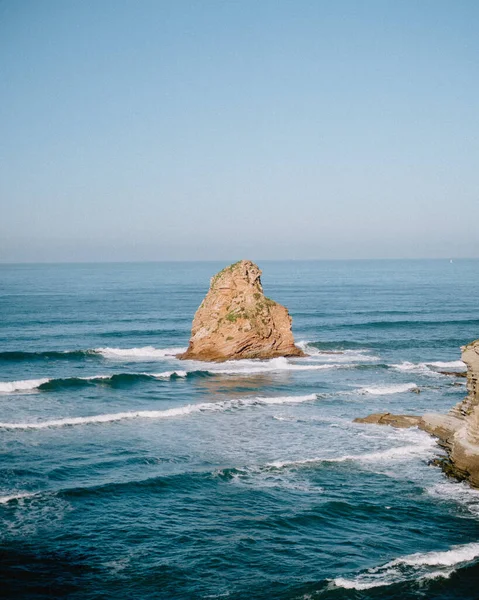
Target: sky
[224,129]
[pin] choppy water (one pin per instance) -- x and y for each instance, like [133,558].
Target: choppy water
[126,473]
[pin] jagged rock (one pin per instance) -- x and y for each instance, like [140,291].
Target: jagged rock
[470,356]
[236,320]
[458,431]
[465,445]
[402,421]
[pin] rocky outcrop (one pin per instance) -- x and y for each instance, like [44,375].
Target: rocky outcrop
[458,431]
[236,320]
[402,421]
[465,446]
[444,427]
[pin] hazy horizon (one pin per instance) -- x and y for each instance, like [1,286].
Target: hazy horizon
[229,261]
[178,131]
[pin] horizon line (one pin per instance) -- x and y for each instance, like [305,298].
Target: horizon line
[217,260]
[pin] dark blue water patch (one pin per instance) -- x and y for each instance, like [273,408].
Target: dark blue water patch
[118,380]
[252,536]
[48,355]
[409,324]
[30,571]
[437,341]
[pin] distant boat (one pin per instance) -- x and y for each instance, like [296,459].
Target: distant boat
[451,261]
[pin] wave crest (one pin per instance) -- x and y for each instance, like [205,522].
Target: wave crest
[384,390]
[162,414]
[428,565]
[145,352]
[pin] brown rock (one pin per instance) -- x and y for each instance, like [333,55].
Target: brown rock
[236,320]
[441,426]
[402,421]
[458,431]
[465,444]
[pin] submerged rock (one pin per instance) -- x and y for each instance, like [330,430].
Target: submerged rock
[457,432]
[236,320]
[454,373]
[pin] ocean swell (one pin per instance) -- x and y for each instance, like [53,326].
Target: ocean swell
[162,414]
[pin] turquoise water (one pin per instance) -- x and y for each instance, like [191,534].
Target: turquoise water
[126,473]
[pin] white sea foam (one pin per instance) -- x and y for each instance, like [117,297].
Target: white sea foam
[460,493]
[163,375]
[424,368]
[413,567]
[389,455]
[452,364]
[359,355]
[144,353]
[275,364]
[20,386]
[162,414]
[7,499]
[383,390]
[229,367]
[449,558]
[167,374]
[356,584]
[410,367]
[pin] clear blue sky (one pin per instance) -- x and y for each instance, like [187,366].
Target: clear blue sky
[163,130]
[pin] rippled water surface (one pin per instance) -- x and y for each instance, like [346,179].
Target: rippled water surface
[126,473]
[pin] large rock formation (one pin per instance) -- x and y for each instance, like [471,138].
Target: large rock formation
[465,443]
[458,431]
[236,320]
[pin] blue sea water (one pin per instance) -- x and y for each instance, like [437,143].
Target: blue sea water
[126,473]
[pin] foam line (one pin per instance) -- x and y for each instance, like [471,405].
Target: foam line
[7,499]
[145,352]
[7,387]
[161,414]
[384,390]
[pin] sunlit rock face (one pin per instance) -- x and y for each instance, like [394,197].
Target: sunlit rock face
[465,446]
[458,431]
[236,320]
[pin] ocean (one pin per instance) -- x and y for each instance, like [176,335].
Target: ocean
[126,473]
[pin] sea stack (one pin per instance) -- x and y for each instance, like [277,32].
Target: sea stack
[236,320]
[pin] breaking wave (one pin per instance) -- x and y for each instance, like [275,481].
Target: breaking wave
[7,387]
[243,367]
[73,382]
[384,390]
[146,352]
[459,493]
[12,497]
[162,414]
[428,565]
[424,368]
[46,355]
[391,454]
[256,366]
[317,351]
